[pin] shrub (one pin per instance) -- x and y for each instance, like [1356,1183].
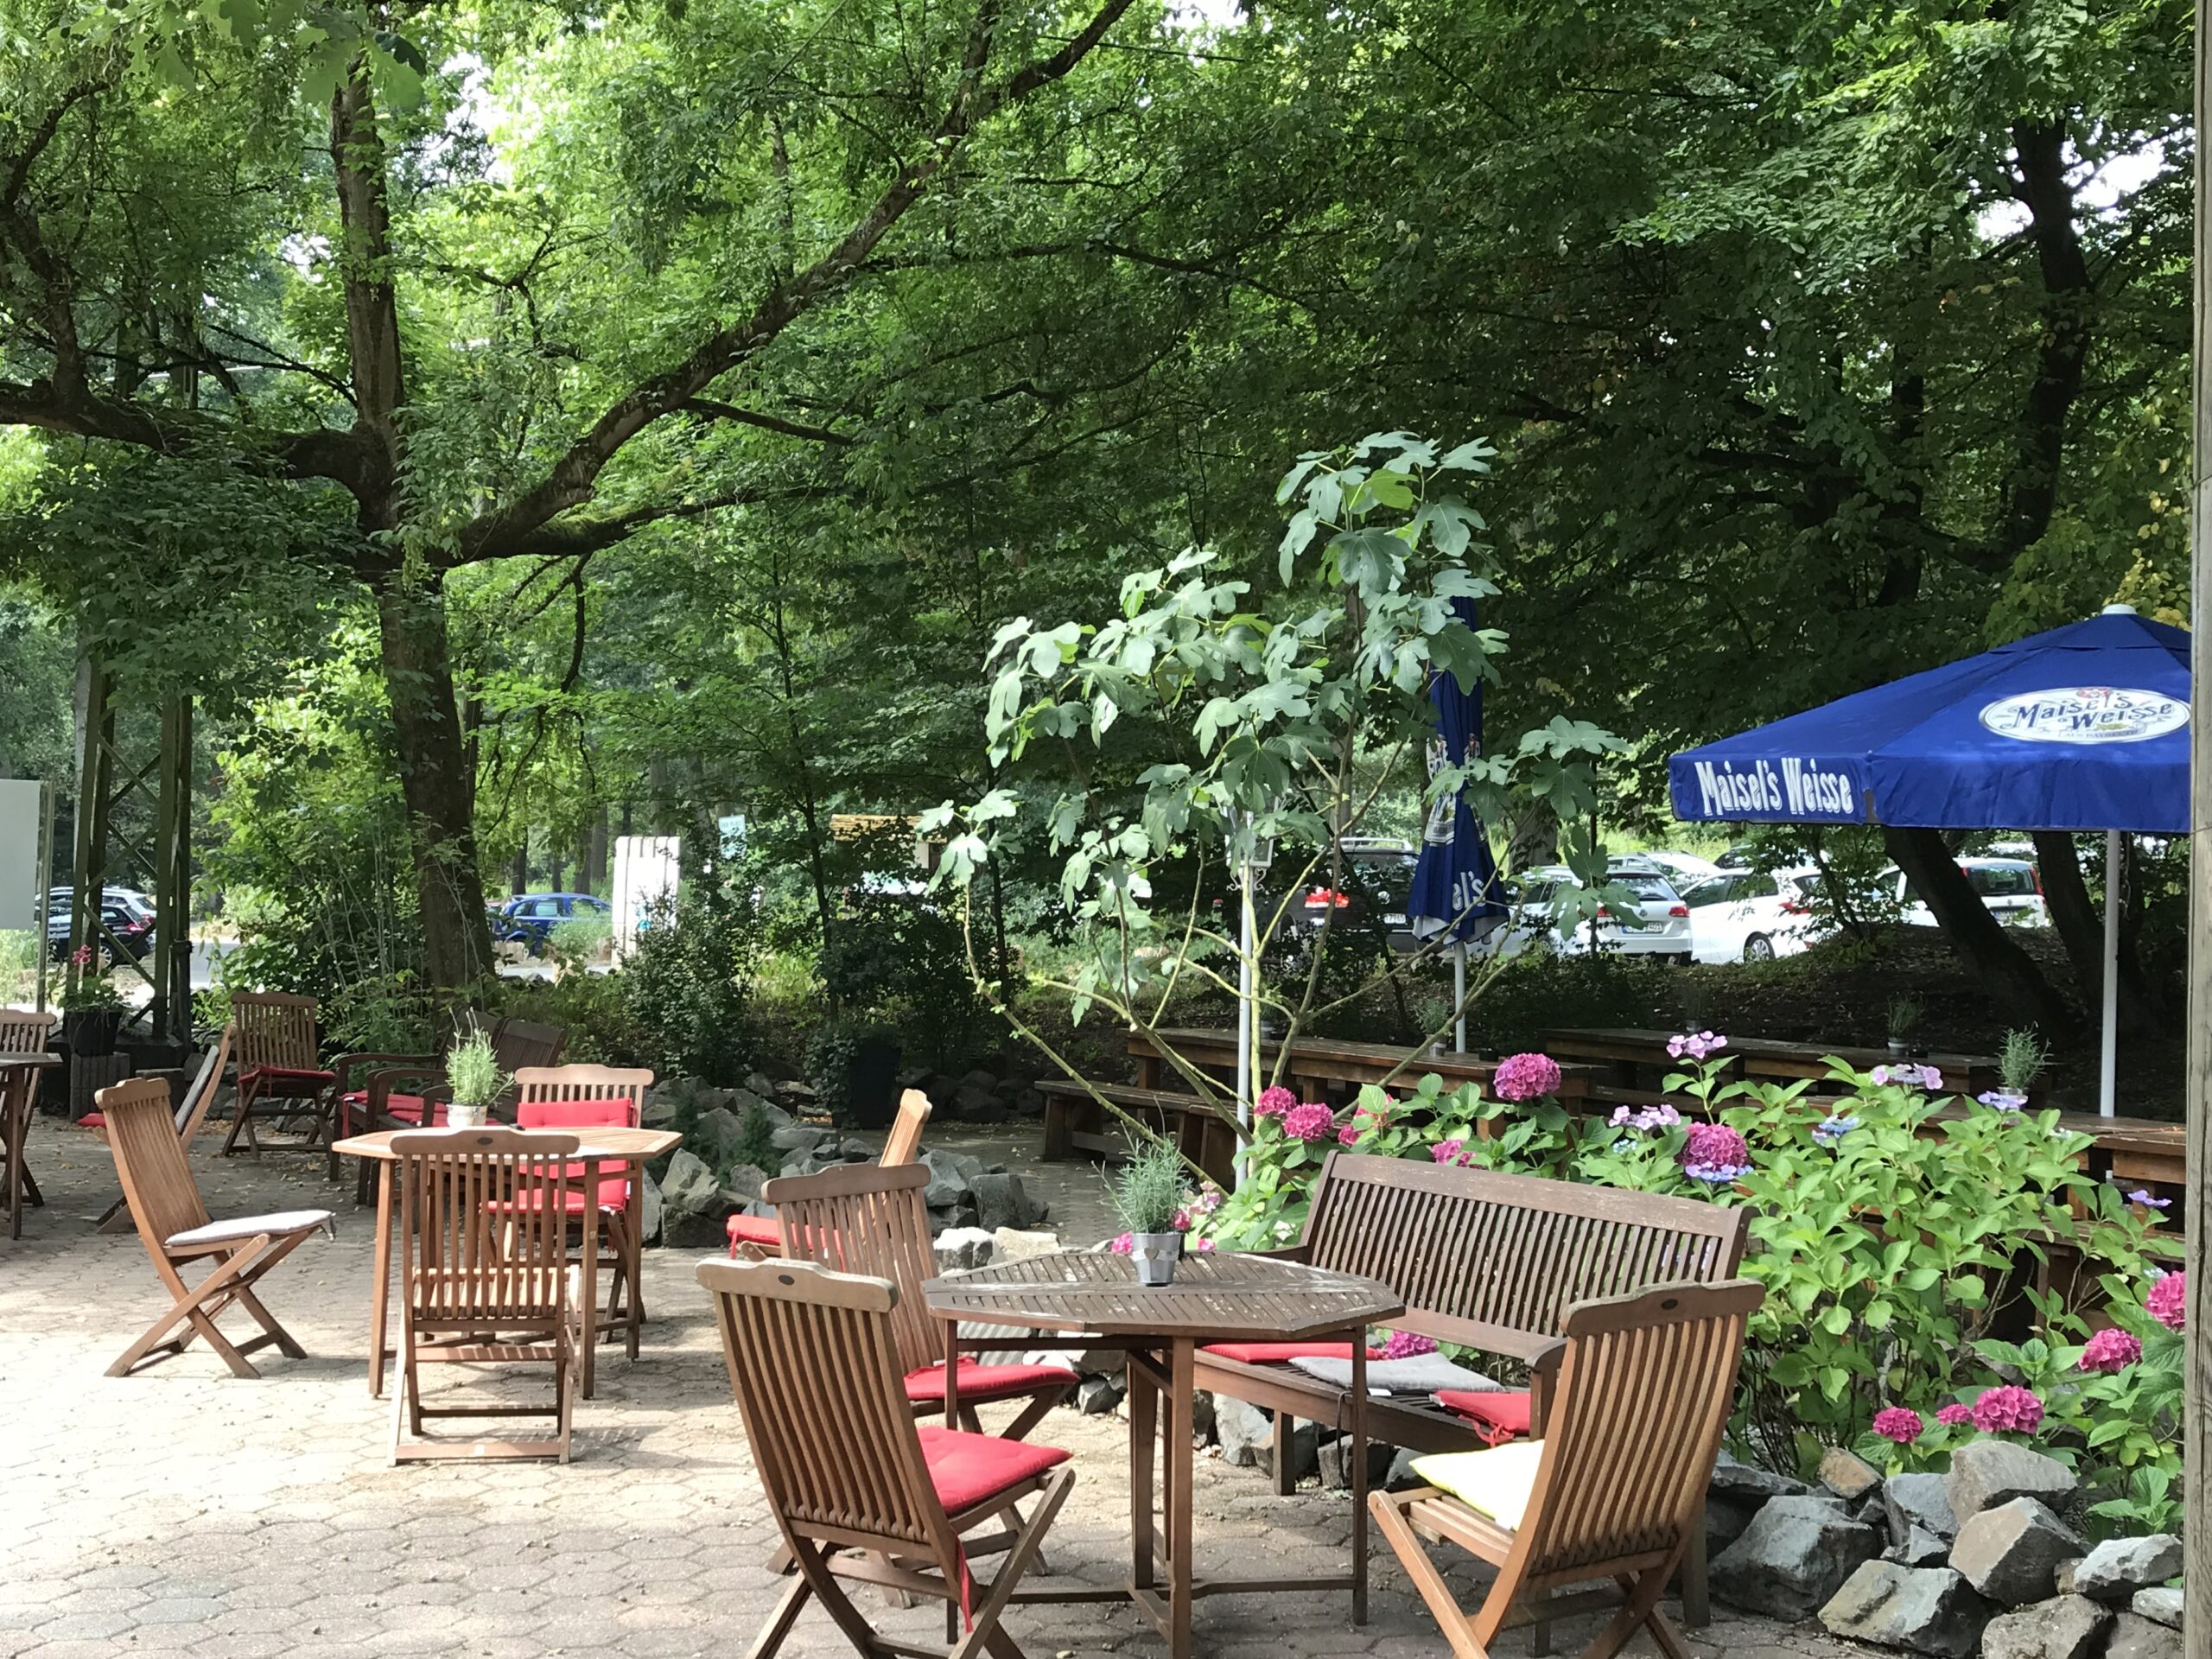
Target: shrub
[903,962]
[685,985]
[834,1060]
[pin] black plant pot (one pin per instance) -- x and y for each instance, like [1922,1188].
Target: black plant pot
[872,1085]
[92,1032]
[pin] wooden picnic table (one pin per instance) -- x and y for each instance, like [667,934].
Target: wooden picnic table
[1759,1057]
[18,1094]
[1215,1297]
[633,1148]
[1317,1062]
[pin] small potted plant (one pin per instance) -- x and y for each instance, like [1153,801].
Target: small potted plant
[91,1009]
[474,1081]
[1904,1020]
[1148,1192]
[2020,1061]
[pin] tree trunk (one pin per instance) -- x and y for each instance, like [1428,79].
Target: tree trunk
[1992,955]
[519,869]
[2082,930]
[434,774]
[595,868]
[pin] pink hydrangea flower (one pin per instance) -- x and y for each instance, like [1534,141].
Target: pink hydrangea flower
[2007,1410]
[2111,1351]
[1348,1135]
[1209,1199]
[1277,1102]
[1123,1244]
[2168,1302]
[1406,1345]
[1955,1415]
[1448,1152]
[1308,1122]
[1205,1246]
[1525,1077]
[1897,1424]
[1715,1153]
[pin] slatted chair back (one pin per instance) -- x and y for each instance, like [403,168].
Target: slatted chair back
[275,1029]
[1472,1248]
[521,1045]
[484,1226]
[192,1110]
[538,1088]
[150,1162]
[869,1219]
[816,1369]
[22,1031]
[1613,1487]
[905,1141]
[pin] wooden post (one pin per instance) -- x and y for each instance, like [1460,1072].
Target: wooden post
[2196,1433]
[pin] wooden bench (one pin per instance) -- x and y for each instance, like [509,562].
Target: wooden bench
[1483,1260]
[1076,1123]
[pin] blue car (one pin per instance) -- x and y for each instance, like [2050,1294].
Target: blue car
[529,918]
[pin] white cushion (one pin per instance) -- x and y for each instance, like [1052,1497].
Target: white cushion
[1498,1481]
[223,1232]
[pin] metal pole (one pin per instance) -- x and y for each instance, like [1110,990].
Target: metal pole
[2108,1069]
[1245,1023]
[2197,1372]
[1460,997]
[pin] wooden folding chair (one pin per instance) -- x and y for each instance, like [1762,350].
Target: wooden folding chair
[191,1114]
[279,1064]
[1619,1486]
[21,1032]
[485,1275]
[904,1145]
[173,1225]
[589,1097]
[861,1491]
[869,1219]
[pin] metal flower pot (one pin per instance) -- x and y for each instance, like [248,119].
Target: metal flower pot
[1155,1256]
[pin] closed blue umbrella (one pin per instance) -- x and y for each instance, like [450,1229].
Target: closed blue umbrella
[1456,891]
[2084,727]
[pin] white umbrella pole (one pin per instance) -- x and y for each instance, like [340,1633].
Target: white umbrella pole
[1460,997]
[1244,999]
[2108,1072]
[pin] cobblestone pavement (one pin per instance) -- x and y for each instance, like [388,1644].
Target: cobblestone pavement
[182,1510]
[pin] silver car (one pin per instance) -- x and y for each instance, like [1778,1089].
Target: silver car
[1659,926]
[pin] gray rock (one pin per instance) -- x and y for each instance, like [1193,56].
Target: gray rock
[1402,1477]
[1096,1396]
[1741,1481]
[802,1138]
[1917,1501]
[715,1137]
[2135,1637]
[960,1248]
[1002,1201]
[745,1182]
[1921,1548]
[979,1106]
[689,1188]
[952,1177]
[2012,1554]
[1985,1473]
[2160,1605]
[1928,1609]
[1015,1244]
[1201,1415]
[1247,1435]
[2067,1628]
[1849,1477]
[649,1212]
[1793,1558]
[1333,1460]
[979,1079]
[656,1109]
[2061,1577]
[2116,1569]
[1724,1522]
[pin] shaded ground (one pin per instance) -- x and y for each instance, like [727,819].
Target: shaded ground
[180,1511]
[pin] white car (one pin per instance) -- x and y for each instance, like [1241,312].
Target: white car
[1660,927]
[1750,916]
[2010,887]
[1681,868]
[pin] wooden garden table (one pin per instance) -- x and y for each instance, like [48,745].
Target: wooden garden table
[632,1148]
[1215,1297]
[18,1094]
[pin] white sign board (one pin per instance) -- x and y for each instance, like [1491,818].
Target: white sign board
[645,877]
[21,801]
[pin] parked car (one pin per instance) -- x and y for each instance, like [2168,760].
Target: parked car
[1682,868]
[129,898]
[2011,887]
[530,918]
[1660,926]
[131,929]
[1752,916]
[1378,871]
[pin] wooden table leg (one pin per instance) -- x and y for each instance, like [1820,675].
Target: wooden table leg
[1358,1429]
[633,1246]
[589,1311]
[380,1280]
[16,1099]
[1144,1431]
[1182,1379]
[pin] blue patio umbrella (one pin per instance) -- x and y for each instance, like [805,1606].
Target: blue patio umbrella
[2084,727]
[1456,892]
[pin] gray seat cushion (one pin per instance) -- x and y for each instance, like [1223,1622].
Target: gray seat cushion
[224,1232]
[1423,1375]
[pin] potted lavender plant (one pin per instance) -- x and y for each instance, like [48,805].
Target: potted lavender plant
[474,1081]
[1148,1192]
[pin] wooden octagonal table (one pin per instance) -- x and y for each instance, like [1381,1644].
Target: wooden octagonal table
[1216,1297]
[18,1093]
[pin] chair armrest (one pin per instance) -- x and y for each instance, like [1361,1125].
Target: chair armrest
[1543,1384]
[1302,1253]
[345,1065]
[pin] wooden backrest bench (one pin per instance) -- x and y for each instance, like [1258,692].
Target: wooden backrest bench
[1076,1124]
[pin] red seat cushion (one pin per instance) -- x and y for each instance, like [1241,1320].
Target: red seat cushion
[982,1382]
[1277,1353]
[613,1195]
[754,1229]
[971,1469]
[1498,1414]
[265,1074]
[610,1113]
[407,1109]
[93,1120]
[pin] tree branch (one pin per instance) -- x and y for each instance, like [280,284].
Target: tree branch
[722,411]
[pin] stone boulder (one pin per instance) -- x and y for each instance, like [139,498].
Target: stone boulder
[1725,1520]
[2160,1607]
[952,1178]
[1849,1477]
[1917,1501]
[1927,1610]
[1920,1548]
[2012,1554]
[1334,1462]
[1985,1473]
[960,1248]
[716,1136]
[1002,1201]
[689,1186]
[1793,1558]
[1014,1244]
[1096,1396]
[649,1211]
[803,1139]
[2067,1628]
[1742,1482]
[1247,1435]
[2115,1570]
[2133,1637]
